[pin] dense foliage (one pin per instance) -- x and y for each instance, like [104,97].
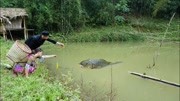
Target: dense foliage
[68,15]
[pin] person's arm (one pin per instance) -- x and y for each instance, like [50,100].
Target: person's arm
[54,42]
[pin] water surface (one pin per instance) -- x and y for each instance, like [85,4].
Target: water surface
[136,57]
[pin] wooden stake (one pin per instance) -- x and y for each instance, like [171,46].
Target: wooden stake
[4,31]
[25,30]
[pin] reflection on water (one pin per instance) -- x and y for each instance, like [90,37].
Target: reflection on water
[136,57]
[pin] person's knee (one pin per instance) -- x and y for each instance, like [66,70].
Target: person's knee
[38,54]
[31,58]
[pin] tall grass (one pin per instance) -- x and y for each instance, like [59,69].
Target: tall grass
[137,29]
[35,88]
[155,28]
[106,34]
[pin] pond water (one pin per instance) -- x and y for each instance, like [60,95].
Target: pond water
[115,79]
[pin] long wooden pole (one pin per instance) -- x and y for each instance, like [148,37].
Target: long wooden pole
[4,31]
[25,30]
[155,57]
[155,79]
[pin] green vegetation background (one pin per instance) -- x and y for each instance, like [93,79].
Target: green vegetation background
[67,17]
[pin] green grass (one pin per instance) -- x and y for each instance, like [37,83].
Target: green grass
[4,47]
[40,86]
[105,34]
[155,28]
[137,29]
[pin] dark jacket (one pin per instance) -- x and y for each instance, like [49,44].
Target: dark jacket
[36,41]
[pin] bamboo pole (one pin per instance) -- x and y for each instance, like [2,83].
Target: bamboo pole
[155,57]
[155,79]
[25,30]
[3,31]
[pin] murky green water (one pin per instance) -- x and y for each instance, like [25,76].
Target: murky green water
[136,57]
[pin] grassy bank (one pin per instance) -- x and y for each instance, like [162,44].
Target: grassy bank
[38,87]
[106,34]
[137,29]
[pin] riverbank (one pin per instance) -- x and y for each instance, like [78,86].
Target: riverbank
[39,86]
[137,29]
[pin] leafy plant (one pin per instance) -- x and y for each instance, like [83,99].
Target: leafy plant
[105,15]
[119,19]
[121,8]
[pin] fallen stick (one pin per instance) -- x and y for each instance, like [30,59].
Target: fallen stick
[5,65]
[155,79]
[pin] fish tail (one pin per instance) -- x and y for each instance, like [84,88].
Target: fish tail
[116,62]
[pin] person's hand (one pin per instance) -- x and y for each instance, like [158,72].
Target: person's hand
[60,44]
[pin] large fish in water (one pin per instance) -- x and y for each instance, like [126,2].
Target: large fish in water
[96,63]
